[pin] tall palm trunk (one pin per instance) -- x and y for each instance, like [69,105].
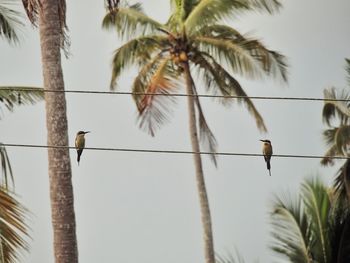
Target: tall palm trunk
[203,197]
[61,190]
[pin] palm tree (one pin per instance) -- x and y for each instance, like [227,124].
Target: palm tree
[337,138]
[9,21]
[167,54]
[52,27]
[13,229]
[313,227]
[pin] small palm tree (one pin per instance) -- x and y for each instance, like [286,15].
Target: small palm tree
[10,21]
[337,137]
[313,227]
[167,55]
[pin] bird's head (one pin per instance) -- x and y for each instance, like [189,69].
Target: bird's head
[267,141]
[82,132]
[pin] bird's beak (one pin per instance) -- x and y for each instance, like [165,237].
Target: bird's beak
[87,132]
[261,140]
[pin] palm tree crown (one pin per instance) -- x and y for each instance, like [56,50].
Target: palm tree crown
[192,34]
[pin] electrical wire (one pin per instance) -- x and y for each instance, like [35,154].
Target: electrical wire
[175,151]
[177,95]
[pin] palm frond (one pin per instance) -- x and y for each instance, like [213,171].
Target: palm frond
[155,77]
[11,96]
[342,181]
[13,229]
[180,9]
[270,6]
[317,204]
[217,79]
[32,9]
[347,68]
[291,236]
[207,137]
[333,109]
[226,52]
[10,22]
[138,50]
[327,159]
[339,229]
[130,21]
[6,170]
[246,50]
[230,258]
[208,12]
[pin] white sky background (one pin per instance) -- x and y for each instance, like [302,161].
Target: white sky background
[138,207]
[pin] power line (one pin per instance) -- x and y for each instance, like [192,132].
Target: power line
[175,151]
[178,95]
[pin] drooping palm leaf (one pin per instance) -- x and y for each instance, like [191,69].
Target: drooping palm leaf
[347,68]
[13,229]
[251,57]
[341,182]
[317,205]
[156,77]
[207,137]
[10,21]
[333,109]
[130,22]
[15,96]
[291,236]
[6,170]
[339,229]
[137,50]
[217,79]
[269,6]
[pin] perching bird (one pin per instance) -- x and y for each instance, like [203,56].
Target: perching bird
[267,152]
[80,143]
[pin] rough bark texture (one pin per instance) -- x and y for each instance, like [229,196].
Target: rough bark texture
[203,197]
[61,190]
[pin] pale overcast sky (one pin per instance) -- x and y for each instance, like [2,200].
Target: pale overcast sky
[139,207]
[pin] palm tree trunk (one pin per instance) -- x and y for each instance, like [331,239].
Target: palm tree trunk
[203,197]
[61,190]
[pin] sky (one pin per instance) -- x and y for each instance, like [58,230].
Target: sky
[143,207]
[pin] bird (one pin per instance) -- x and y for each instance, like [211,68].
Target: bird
[267,152]
[80,143]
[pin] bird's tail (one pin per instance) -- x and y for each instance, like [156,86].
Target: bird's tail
[268,166]
[79,151]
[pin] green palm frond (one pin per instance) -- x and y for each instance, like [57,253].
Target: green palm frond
[180,9]
[291,236]
[208,12]
[137,50]
[317,205]
[10,21]
[15,96]
[333,109]
[229,53]
[252,55]
[130,22]
[6,170]
[217,79]
[13,228]
[207,137]
[270,6]
[156,77]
